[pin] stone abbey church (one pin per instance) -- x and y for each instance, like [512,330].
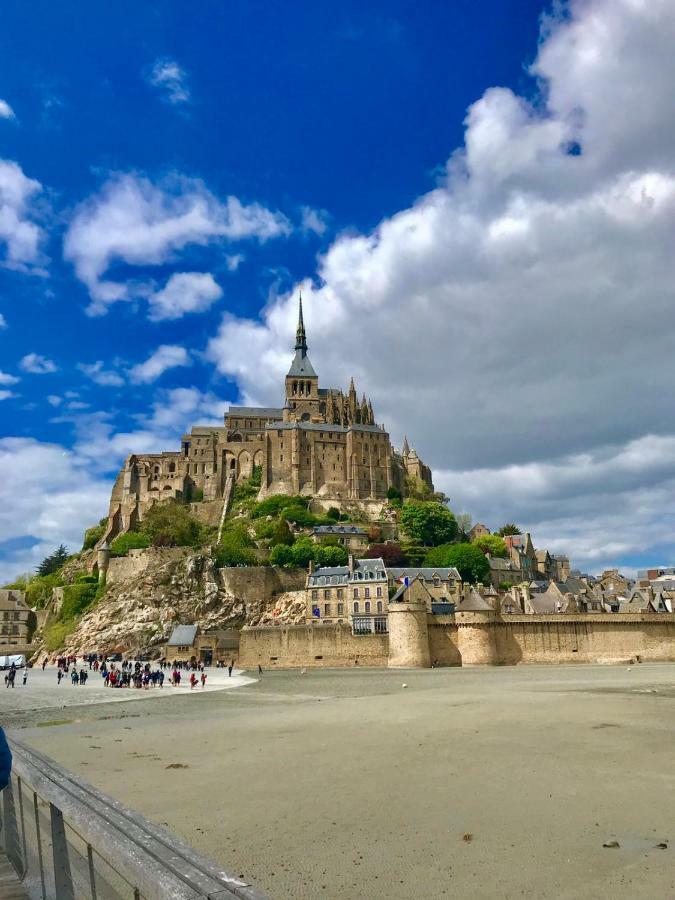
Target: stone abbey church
[321,443]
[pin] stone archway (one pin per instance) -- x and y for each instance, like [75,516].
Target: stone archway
[245,465]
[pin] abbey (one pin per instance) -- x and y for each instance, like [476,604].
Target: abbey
[321,443]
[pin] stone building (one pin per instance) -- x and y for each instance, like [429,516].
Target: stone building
[189,643]
[15,621]
[478,531]
[342,534]
[355,594]
[443,585]
[322,443]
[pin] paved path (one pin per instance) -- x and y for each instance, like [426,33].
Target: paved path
[10,886]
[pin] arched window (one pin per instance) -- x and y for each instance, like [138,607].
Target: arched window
[295,387]
[379,606]
[356,592]
[367,605]
[356,607]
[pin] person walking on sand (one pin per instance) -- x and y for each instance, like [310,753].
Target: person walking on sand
[193,681]
[229,671]
[259,669]
[44,663]
[59,676]
[25,677]
[202,678]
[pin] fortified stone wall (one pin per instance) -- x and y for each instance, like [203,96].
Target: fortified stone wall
[122,568]
[549,640]
[300,646]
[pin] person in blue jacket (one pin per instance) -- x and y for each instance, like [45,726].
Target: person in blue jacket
[5,760]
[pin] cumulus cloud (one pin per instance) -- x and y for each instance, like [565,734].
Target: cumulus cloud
[3,321]
[520,314]
[37,364]
[314,220]
[184,292]
[171,80]
[133,221]
[48,496]
[6,111]
[7,395]
[18,233]
[6,378]
[100,375]
[168,356]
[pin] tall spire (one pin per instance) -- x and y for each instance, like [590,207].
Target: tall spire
[300,337]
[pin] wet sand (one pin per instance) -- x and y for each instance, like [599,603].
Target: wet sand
[469,783]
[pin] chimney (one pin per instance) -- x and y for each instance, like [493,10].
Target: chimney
[311,566]
[351,562]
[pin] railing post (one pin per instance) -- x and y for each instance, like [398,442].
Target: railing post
[38,838]
[12,846]
[92,872]
[63,879]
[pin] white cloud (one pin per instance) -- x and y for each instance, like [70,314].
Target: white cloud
[37,364]
[54,400]
[314,220]
[520,314]
[3,321]
[138,223]
[184,292]
[171,79]
[48,496]
[101,376]
[18,233]
[6,111]
[7,395]
[233,261]
[168,356]
[6,378]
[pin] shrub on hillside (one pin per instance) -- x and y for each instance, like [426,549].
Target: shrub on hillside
[333,513]
[56,634]
[492,544]
[281,534]
[281,555]
[171,525]
[94,534]
[330,556]
[392,554]
[235,548]
[76,599]
[130,540]
[272,506]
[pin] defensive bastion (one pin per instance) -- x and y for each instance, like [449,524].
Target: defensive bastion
[418,639]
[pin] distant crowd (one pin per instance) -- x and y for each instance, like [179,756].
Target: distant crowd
[116,673]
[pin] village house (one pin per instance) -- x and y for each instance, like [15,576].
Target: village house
[188,643]
[16,621]
[355,594]
[343,534]
[444,585]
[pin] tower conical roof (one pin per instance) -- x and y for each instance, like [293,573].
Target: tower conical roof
[301,365]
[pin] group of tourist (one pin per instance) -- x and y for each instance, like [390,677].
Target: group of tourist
[10,676]
[128,673]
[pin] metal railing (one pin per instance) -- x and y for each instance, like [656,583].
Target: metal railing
[68,841]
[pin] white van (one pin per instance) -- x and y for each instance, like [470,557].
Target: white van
[15,659]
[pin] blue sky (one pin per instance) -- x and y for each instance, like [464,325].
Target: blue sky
[171,176]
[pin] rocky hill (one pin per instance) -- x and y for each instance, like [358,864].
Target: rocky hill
[150,593]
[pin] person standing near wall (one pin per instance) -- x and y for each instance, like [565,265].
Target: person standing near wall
[5,760]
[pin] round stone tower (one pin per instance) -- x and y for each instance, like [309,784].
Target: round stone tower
[476,638]
[103,560]
[408,635]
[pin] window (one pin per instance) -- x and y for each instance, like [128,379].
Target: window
[341,609]
[340,593]
[379,592]
[356,592]
[326,609]
[326,594]
[379,606]
[367,606]
[315,595]
[356,607]
[367,592]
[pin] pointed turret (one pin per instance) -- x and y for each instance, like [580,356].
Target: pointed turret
[300,337]
[371,414]
[406,447]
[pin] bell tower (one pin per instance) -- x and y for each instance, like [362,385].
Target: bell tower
[302,382]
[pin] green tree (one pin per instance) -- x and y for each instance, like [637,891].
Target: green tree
[333,513]
[428,523]
[509,528]
[171,524]
[393,493]
[492,544]
[54,561]
[272,506]
[330,556]
[282,555]
[303,551]
[39,589]
[281,534]
[468,559]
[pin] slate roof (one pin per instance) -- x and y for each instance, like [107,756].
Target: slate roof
[473,603]
[338,529]
[427,573]
[364,570]
[183,635]
[301,366]
[256,412]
